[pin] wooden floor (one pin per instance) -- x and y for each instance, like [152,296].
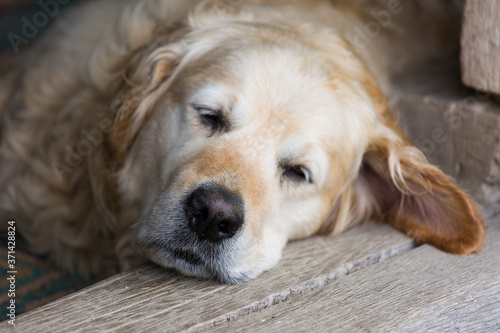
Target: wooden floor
[370,279]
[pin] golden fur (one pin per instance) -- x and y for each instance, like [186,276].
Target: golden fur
[103,136]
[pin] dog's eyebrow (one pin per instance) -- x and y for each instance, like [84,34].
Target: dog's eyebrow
[212,95]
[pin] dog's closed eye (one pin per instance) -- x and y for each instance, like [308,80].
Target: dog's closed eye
[296,173]
[211,118]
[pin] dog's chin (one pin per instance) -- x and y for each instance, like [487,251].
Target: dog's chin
[191,264]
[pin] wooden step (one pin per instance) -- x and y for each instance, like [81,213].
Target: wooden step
[457,128]
[480,41]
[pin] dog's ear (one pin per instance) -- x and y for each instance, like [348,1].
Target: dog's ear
[142,78]
[396,183]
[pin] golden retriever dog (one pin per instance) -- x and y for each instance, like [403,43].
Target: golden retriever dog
[204,135]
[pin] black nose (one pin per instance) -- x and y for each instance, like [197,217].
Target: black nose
[214,213]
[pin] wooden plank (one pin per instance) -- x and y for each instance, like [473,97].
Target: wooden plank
[480,53]
[419,291]
[149,298]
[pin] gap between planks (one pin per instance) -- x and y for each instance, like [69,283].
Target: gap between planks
[307,286]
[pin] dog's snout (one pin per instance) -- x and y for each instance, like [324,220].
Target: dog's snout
[214,213]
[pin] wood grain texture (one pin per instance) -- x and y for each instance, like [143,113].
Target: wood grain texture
[424,290]
[480,53]
[151,299]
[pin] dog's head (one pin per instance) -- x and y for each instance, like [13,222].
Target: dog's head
[240,136]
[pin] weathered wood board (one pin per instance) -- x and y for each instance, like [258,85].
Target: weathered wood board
[150,299]
[424,290]
[480,52]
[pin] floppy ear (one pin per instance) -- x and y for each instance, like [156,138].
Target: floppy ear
[417,198]
[135,103]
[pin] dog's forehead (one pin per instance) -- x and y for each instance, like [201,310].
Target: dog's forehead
[271,70]
[278,87]
[268,82]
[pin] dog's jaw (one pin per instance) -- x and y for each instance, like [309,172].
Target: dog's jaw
[231,263]
[164,237]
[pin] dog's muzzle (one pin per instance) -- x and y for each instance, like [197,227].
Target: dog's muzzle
[198,235]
